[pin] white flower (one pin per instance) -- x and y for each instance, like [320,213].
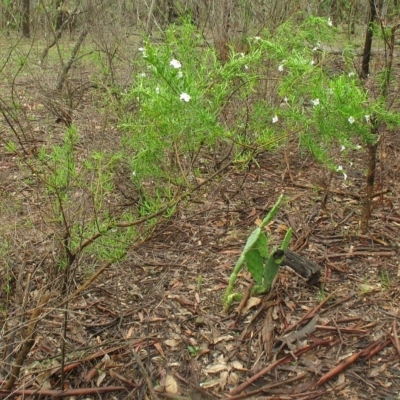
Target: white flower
[275,119]
[358,147]
[246,67]
[184,97]
[175,64]
[367,118]
[315,102]
[257,38]
[342,148]
[157,90]
[330,23]
[339,168]
[350,74]
[285,99]
[133,173]
[143,51]
[312,62]
[179,74]
[143,74]
[317,46]
[280,68]
[351,120]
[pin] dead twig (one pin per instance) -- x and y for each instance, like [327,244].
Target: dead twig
[60,393]
[366,354]
[310,314]
[283,360]
[29,338]
[395,339]
[153,394]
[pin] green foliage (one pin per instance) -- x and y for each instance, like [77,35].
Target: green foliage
[179,93]
[262,263]
[332,112]
[386,279]
[79,194]
[194,350]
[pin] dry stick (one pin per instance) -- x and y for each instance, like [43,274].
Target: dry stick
[310,314]
[29,341]
[395,338]
[339,302]
[174,202]
[368,352]
[153,394]
[376,348]
[265,370]
[126,224]
[335,371]
[268,387]
[68,66]
[61,393]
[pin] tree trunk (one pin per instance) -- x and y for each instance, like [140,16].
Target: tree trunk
[26,27]
[59,14]
[372,148]
[368,40]
[369,190]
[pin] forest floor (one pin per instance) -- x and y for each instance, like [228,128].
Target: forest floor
[153,325]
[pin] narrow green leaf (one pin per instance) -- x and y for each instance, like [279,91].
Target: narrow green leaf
[286,240]
[272,213]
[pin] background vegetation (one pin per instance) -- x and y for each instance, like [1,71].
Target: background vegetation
[115,113]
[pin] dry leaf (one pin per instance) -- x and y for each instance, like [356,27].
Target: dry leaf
[159,348]
[172,342]
[100,379]
[224,337]
[130,332]
[253,212]
[238,365]
[252,302]
[341,379]
[223,379]
[233,378]
[171,386]
[210,384]
[213,369]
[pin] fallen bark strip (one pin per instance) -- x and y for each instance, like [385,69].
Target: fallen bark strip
[60,393]
[382,253]
[306,268]
[342,330]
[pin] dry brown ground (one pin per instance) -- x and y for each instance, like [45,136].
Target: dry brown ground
[152,326]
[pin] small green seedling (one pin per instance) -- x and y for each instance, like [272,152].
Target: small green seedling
[194,350]
[262,264]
